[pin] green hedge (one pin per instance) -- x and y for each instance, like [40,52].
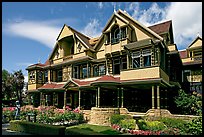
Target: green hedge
[36,128]
[116,118]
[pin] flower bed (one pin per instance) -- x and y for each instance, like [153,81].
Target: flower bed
[48,115]
[173,131]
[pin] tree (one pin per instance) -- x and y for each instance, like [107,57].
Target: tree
[12,85]
[18,81]
[189,103]
[6,84]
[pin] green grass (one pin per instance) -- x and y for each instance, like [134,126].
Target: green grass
[87,129]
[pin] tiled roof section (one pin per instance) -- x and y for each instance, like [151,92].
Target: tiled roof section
[51,86]
[183,54]
[47,62]
[161,27]
[108,78]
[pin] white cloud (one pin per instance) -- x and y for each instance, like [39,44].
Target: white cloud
[187,21]
[24,64]
[42,32]
[92,29]
[186,18]
[45,32]
[100,5]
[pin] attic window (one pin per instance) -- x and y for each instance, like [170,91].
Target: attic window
[79,47]
[57,54]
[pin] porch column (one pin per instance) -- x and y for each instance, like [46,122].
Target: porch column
[158,98]
[79,98]
[65,99]
[152,97]
[118,96]
[128,61]
[121,97]
[98,96]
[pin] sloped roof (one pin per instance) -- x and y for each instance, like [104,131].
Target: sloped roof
[198,37]
[161,27]
[107,78]
[52,86]
[83,37]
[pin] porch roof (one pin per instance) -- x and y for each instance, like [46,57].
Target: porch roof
[51,86]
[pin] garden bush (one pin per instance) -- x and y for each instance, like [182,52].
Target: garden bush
[151,125]
[194,127]
[116,118]
[128,123]
[175,123]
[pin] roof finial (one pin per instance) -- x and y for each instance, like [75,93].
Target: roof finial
[114,8]
[198,34]
[39,61]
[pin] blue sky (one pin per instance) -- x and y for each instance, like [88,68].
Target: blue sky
[30,29]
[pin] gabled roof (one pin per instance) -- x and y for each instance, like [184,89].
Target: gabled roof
[37,65]
[107,78]
[117,14]
[161,27]
[140,24]
[197,38]
[111,18]
[52,86]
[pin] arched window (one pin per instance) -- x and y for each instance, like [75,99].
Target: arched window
[115,34]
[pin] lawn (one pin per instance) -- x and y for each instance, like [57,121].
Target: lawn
[87,129]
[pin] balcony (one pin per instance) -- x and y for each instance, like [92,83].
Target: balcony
[144,73]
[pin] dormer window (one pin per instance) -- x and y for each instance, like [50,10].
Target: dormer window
[57,54]
[79,47]
[115,34]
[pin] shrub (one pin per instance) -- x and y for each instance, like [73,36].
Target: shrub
[195,126]
[128,123]
[116,118]
[155,125]
[142,124]
[174,123]
[151,125]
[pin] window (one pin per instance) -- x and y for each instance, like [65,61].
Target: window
[124,62]
[123,33]
[116,66]
[136,59]
[46,76]
[84,71]
[115,34]
[107,38]
[57,54]
[32,75]
[147,57]
[95,69]
[76,72]
[40,75]
[59,75]
[101,70]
